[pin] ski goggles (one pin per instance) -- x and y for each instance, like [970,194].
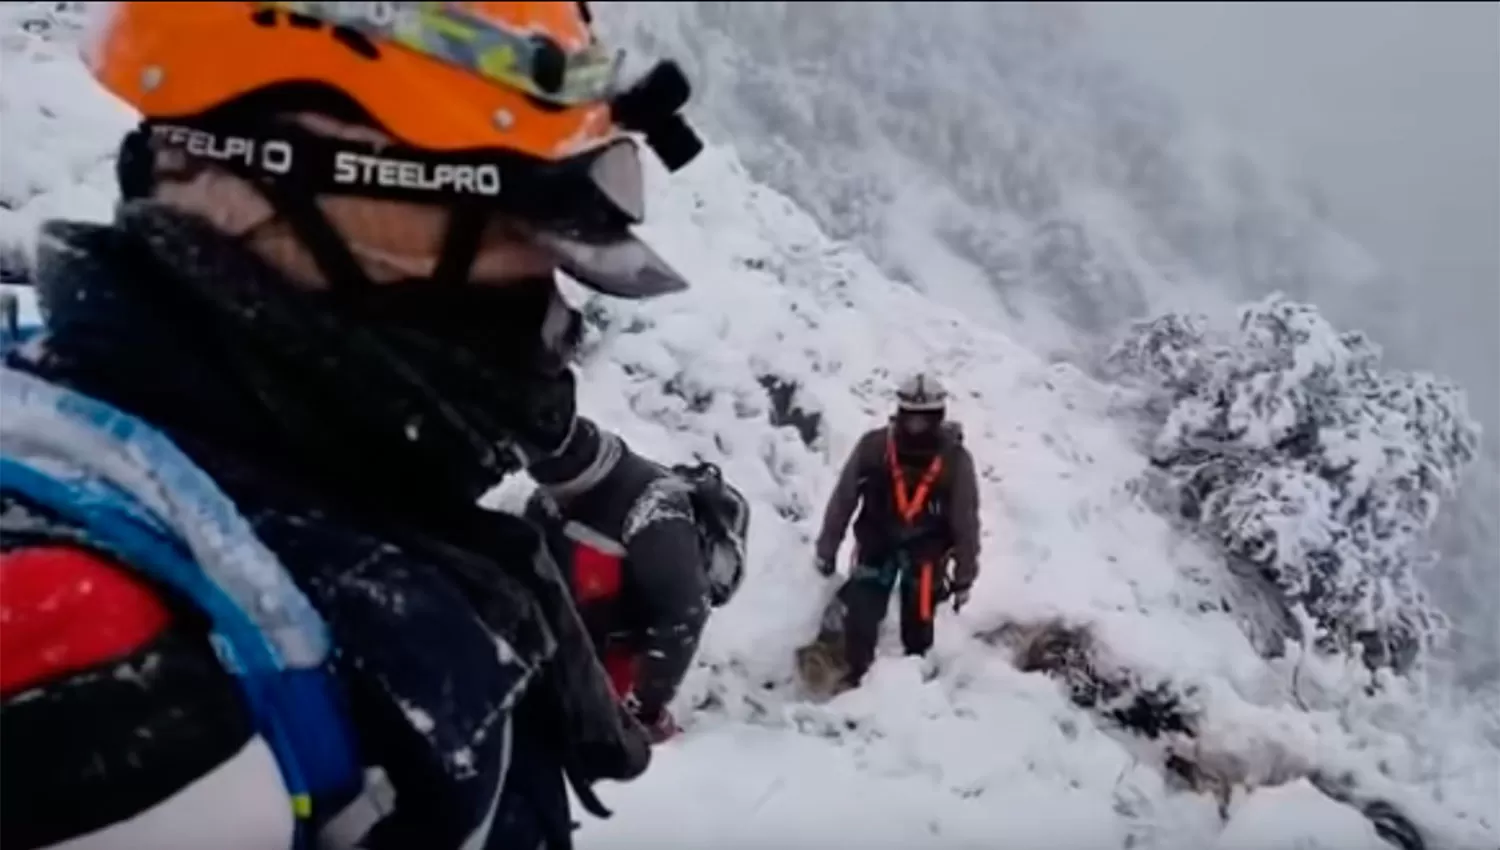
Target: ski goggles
[580,209]
[447,33]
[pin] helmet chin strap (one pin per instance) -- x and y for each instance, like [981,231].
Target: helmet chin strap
[342,271]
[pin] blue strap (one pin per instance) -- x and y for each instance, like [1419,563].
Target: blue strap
[265,631]
[111,461]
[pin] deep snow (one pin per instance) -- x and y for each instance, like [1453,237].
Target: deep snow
[961,750]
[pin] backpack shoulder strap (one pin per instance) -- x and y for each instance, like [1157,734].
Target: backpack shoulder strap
[137,496]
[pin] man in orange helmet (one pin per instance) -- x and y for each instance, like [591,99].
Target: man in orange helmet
[250,600]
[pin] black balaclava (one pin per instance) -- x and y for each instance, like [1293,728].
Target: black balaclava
[416,393]
[918,432]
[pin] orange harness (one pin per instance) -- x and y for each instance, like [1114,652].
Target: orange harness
[908,506]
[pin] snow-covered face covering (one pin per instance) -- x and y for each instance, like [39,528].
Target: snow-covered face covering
[427,393]
[524,322]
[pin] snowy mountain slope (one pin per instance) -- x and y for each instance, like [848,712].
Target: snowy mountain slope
[965,750]
[1073,196]
[989,154]
[59,148]
[966,740]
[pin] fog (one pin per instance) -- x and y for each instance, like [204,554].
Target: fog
[1390,112]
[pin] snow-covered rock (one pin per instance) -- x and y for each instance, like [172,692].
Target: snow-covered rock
[1296,817]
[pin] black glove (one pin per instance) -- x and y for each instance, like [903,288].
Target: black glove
[658,723]
[824,566]
[662,727]
[960,596]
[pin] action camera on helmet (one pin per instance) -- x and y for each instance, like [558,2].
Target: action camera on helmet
[652,106]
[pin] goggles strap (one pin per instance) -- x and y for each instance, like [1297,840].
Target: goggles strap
[272,165]
[460,244]
[291,168]
[527,189]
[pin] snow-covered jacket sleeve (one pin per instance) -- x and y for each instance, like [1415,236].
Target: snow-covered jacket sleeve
[844,498]
[671,584]
[964,516]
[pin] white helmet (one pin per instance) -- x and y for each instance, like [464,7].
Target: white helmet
[921,392]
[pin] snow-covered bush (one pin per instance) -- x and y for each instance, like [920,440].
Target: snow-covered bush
[1289,445]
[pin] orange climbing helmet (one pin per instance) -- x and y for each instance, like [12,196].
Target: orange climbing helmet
[515,106]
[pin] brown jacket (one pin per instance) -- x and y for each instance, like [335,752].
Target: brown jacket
[947,520]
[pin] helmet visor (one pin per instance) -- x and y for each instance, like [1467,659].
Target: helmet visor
[617,264]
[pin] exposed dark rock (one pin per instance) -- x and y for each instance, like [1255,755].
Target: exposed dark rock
[785,411]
